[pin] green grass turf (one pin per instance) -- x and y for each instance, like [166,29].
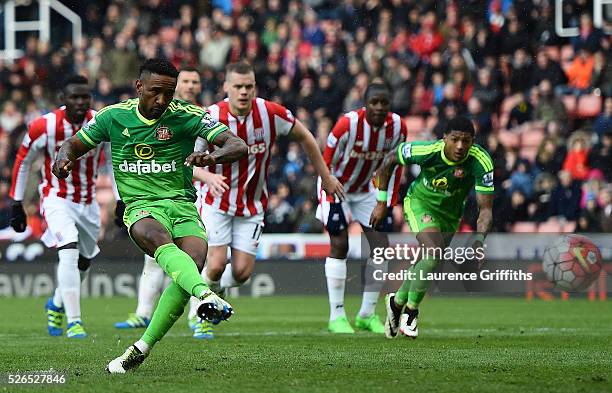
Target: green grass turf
[280,344]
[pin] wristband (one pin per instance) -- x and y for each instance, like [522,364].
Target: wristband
[382,196]
[479,237]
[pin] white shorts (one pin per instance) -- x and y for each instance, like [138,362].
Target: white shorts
[69,222]
[356,207]
[240,233]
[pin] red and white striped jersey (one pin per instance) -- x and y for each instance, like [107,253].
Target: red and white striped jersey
[46,135]
[355,150]
[248,193]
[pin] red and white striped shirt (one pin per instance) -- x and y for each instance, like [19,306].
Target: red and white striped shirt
[248,193]
[355,151]
[46,135]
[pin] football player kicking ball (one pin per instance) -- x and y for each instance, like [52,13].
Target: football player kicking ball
[151,282]
[236,218]
[152,141]
[433,207]
[355,149]
[68,205]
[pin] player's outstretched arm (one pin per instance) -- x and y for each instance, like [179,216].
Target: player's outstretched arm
[383,175]
[330,184]
[70,151]
[231,148]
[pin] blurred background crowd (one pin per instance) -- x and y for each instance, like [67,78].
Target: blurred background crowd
[541,104]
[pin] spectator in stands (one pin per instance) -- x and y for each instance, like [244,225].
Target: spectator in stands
[603,123]
[402,85]
[565,198]
[579,73]
[481,120]
[549,107]
[513,209]
[600,157]
[521,179]
[428,39]
[588,221]
[550,155]
[577,158]
[120,64]
[522,70]
[539,209]
[278,216]
[605,217]
[601,79]
[487,92]
[545,68]
[10,118]
[589,37]
[521,113]
[306,221]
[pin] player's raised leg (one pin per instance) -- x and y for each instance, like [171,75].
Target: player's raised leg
[149,287]
[182,262]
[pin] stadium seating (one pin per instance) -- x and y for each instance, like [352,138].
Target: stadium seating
[525,227]
[532,137]
[570,103]
[589,105]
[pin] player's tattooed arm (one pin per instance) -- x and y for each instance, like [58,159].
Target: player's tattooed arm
[70,151]
[330,184]
[383,176]
[485,215]
[231,148]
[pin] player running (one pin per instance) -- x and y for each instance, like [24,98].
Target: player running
[68,205]
[433,207]
[152,139]
[236,218]
[355,149]
[150,285]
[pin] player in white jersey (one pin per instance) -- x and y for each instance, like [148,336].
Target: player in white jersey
[68,205]
[151,283]
[236,218]
[355,149]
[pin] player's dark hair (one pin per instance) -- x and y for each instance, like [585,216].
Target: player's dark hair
[189,69]
[460,123]
[240,67]
[74,79]
[377,88]
[158,66]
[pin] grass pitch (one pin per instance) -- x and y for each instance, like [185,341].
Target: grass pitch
[280,344]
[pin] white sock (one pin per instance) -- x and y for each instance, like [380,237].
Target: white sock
[368,304]
[142,346]
[227,279]
[214,286]
[69,283]
[57,298]
[335,271]
[149,287]
[193,307]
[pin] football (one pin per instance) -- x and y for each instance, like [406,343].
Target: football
[572,262]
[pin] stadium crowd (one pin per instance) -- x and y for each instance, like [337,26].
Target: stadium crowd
[541,105]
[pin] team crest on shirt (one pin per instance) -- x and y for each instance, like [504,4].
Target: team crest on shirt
[459,173]
[142,213]
[426,218]
[388,143]
[163,133]
[259,134]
